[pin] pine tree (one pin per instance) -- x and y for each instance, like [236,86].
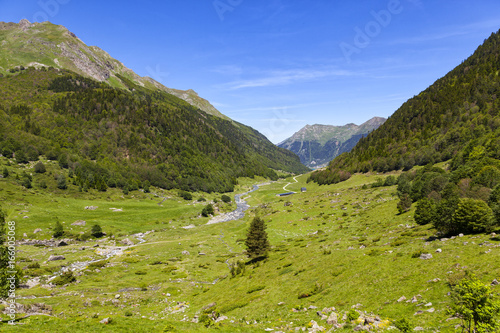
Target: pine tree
[96,231]
[257,243]
[58,230]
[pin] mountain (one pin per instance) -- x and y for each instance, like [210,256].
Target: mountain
[316,145]
[458,114]
[118,130]
[45,44]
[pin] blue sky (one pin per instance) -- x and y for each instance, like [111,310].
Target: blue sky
[278,65]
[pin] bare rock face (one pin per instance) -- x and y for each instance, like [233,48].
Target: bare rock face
[25,24]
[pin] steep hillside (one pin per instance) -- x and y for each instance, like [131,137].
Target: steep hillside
[45,44]
[131,138]
[459,110]
[317,145]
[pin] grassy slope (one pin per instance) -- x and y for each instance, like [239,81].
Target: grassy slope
[311,241]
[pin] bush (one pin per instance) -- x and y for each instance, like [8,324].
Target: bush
[226,198]
[186,195]
[472,216]
[58,230]
[61,182]
[352,315]
[64,278]
[96,231]
[403,325]
[404,203]
[425,211]
[208,210]
[5,172]
[475,305]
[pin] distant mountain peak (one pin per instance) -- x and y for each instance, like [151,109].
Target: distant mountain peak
[318,144]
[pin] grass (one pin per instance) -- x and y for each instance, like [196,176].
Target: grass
[332,246]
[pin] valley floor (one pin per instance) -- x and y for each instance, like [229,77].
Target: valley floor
[335,249]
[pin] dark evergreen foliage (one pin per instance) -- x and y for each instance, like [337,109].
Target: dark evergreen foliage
[256,242]
[114,137]
[447,120]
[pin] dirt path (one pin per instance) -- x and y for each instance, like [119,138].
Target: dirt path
[296,181]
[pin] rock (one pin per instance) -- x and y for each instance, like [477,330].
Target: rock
[439,251]
[414,299]
[79,223]
[495,282]
[221,318]
[96,245]
[127,242]
[185,253]
[426,256]
[332,319]
[91,207]
[369,320]
[312,307]
[431,310]
[37,230]
[281,303]
[25,235]
[117,296]
[428,304]
[460,235]
[105,321]
[418,328]
[209,306]
[401,299]
[54,258]
[62,243]
[316,328]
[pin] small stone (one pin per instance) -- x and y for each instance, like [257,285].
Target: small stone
[332,319]
[185,253]
[431,310]
[37,230]
[62,243]
[401,299]
[117,296]
[105,321]
[428,304]
[439,251]
[495,282]
[418,328]
[426,256]
[460,235]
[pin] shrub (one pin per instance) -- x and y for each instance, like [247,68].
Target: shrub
[96,231]
[61,182]
[40,167]
[404,203]
[208,210]
[58,230]
[186,195]
[352,315]
[475,305]
[34,265]
[472,216]
[5,172]
[226,198]
[425,211]
[64,278]
[403,325]
[98,264]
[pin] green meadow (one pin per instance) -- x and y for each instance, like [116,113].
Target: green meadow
[341,246]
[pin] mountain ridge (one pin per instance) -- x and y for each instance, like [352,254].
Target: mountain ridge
[318,144]
[46,44]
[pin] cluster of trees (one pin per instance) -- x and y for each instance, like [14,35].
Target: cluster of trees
[95,231]
[464,200]
[437,124]
[117,138]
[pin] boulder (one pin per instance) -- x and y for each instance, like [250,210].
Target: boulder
[54,258]
[332,319]
[62,243]
[127,242]
[426,256]
[495,282]
[79,223]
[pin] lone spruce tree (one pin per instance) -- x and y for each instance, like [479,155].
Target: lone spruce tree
[257,243]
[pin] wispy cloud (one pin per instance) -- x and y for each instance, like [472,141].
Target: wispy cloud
[279,78]
[452,31]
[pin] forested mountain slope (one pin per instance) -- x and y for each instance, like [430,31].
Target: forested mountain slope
[459,110]
[128,137]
